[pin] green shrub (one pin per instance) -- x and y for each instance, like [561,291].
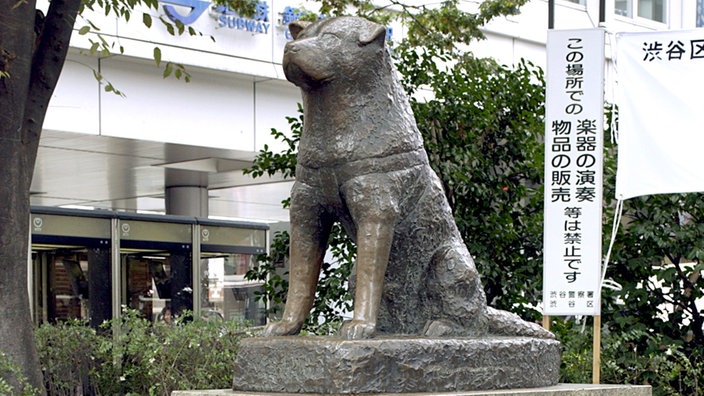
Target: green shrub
[159,358]
[69,353]
[634,357]
[141,358]
[12,380]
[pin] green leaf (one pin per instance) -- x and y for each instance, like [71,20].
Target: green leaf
[84,30]
[157,55]
[93,26]
[147,20]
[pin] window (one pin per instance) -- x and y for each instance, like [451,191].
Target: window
[654,10]
[227,294]
[623,8]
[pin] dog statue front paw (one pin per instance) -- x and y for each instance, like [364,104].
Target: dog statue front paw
[357,330]
[282,328]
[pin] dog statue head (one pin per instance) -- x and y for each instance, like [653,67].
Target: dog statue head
[342,48]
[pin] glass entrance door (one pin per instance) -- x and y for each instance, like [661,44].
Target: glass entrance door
[157,284]
[71,283]
[62,279]
[156,265]
[228,250]
[70,267]
[226,293]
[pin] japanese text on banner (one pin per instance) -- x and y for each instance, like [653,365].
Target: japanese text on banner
[573,172]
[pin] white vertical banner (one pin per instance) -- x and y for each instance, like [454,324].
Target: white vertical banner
[574,124]
[660,88]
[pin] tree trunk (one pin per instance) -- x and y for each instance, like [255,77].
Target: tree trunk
[16,329]
[16,332]
[32,53]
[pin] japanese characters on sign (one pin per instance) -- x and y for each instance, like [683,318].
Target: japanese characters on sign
[573,172]
[674,50]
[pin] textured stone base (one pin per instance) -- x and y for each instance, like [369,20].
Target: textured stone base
[327,365]
[557,390]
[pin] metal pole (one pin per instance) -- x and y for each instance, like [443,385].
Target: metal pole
[195,268]
[602,11]
[551,14]
[116,270]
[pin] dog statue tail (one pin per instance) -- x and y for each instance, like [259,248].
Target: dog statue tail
[504,323]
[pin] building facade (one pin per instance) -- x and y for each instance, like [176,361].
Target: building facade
[166,138]
[166,141]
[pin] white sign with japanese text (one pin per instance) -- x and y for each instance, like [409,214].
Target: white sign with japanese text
[574,124]
[660,105]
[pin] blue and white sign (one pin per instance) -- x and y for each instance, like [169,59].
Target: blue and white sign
[195,8]
[224,15]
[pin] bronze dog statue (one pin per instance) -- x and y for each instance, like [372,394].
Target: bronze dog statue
[361,161]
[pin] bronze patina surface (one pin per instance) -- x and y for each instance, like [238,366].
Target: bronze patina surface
[361,162]
[421,321]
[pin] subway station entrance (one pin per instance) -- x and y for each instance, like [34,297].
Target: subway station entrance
[90,264]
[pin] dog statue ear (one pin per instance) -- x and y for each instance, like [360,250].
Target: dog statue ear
[295,27]
[376,35]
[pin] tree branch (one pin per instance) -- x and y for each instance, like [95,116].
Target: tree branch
[686,281]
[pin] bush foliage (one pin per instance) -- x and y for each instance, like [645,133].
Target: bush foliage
[631,356]
[12,382]
[142,358]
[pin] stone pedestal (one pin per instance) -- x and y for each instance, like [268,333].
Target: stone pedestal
[323,365]
[556,390]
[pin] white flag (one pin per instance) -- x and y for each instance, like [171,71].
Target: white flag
[661,112]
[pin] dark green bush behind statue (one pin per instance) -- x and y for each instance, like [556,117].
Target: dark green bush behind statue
[144,358]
